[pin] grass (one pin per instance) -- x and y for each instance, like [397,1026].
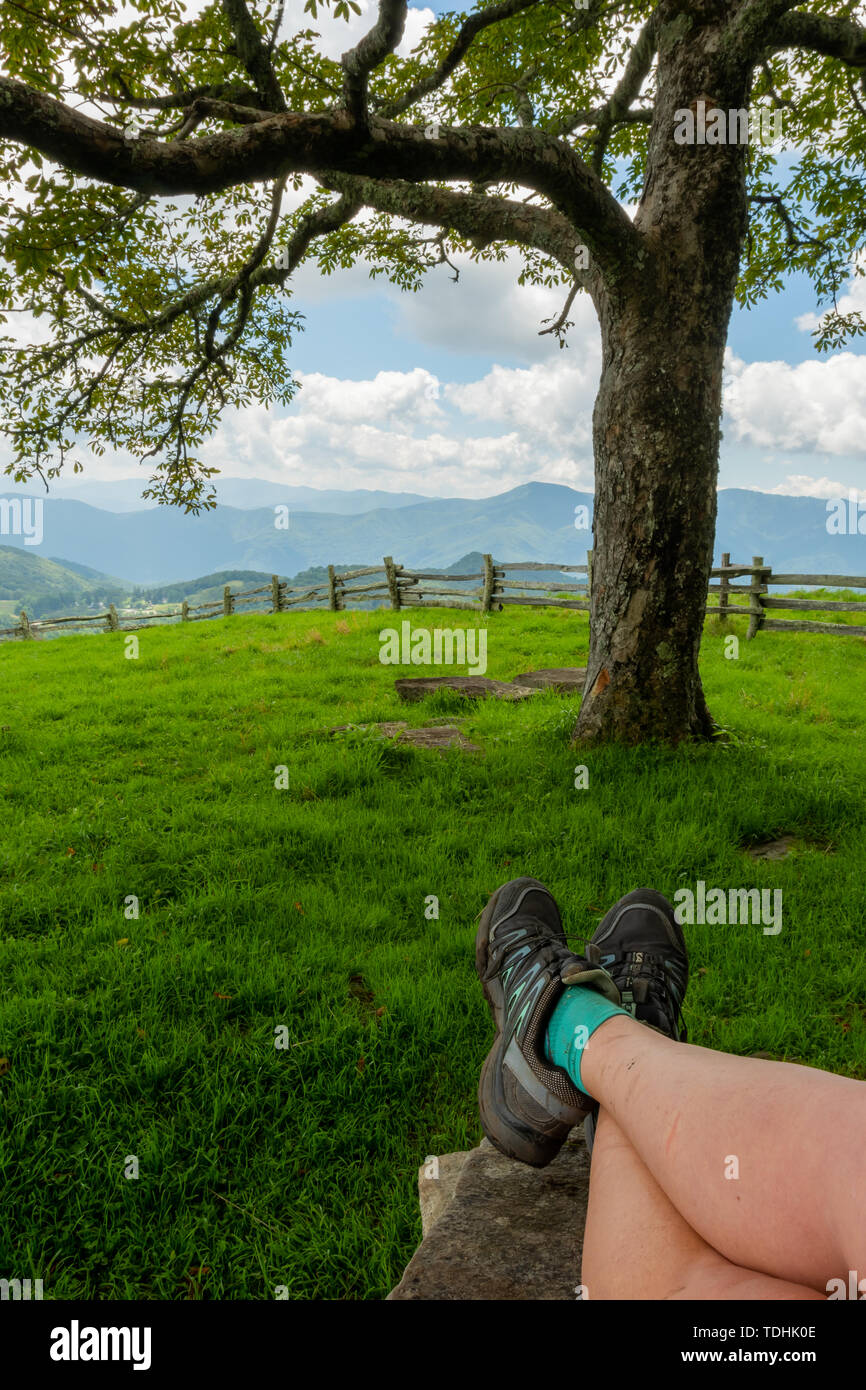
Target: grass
[297,917]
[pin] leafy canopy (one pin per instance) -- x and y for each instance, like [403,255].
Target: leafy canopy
[134,314]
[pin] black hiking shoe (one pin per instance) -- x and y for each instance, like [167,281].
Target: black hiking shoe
[641,945]
[528,1106]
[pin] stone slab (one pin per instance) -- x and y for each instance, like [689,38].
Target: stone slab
[774,849]
[508,1232]
[564,678]
[438,735]
[437,1183]
[416,688]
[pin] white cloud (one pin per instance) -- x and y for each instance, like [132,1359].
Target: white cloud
[515,424]
[393,431]
[802,485]
[819,406]
[550,401]
[338,35]
[390,398]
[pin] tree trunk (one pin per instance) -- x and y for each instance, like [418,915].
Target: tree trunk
[656,427]
[656,433]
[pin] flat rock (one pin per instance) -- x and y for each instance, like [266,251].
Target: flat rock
[390,729]
[554,678]
[473,687]
[508,1232]
[774,849]
[436,735]
[437,1183]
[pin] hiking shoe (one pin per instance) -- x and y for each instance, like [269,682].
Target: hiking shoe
[528,1106]
[641,945]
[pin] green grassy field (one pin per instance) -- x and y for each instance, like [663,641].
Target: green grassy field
[303,909]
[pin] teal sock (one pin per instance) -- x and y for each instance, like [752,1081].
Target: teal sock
[580,1011]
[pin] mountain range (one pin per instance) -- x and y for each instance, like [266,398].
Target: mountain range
[156,546]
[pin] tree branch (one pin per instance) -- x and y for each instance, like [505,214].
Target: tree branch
[254,54]
[374,47]
[748,30]
[273,145]
[469,30]
[233,92]
[561,322]
[478,219]
[313,225]
[795,242]
[640,61]
[639,115]
[834,37]
[69,389]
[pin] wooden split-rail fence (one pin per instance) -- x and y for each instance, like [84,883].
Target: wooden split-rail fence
[760,601]
[401,588]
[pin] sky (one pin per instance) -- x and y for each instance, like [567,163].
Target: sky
[452,392]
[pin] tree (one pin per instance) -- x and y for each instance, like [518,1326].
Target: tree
[527,124]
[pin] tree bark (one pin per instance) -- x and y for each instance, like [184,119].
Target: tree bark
[656,419]
[656,433]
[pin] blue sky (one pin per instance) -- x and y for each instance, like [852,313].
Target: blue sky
[345,338]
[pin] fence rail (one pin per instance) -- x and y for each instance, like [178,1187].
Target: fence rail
[402,588]
[759,601]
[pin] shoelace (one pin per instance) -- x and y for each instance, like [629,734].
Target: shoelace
[541,943]
[655,981]
[658,992]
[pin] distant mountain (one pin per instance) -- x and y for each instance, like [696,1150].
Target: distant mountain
[164,546]
[50,587]
[85,572]
[192,589]
[789,532]
[124,495]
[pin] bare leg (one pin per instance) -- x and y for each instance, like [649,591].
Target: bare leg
[654,1253]
[794,1135]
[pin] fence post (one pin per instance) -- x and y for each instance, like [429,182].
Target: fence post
[184,612]
[589,575]
[489,581]
[275,593]
[26,630]
[723,587]
[113,620]
[391,576]
[756,588]
[228,605]
[333,596]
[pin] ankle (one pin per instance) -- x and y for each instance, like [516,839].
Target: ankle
[577,1015]
[618,1042]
